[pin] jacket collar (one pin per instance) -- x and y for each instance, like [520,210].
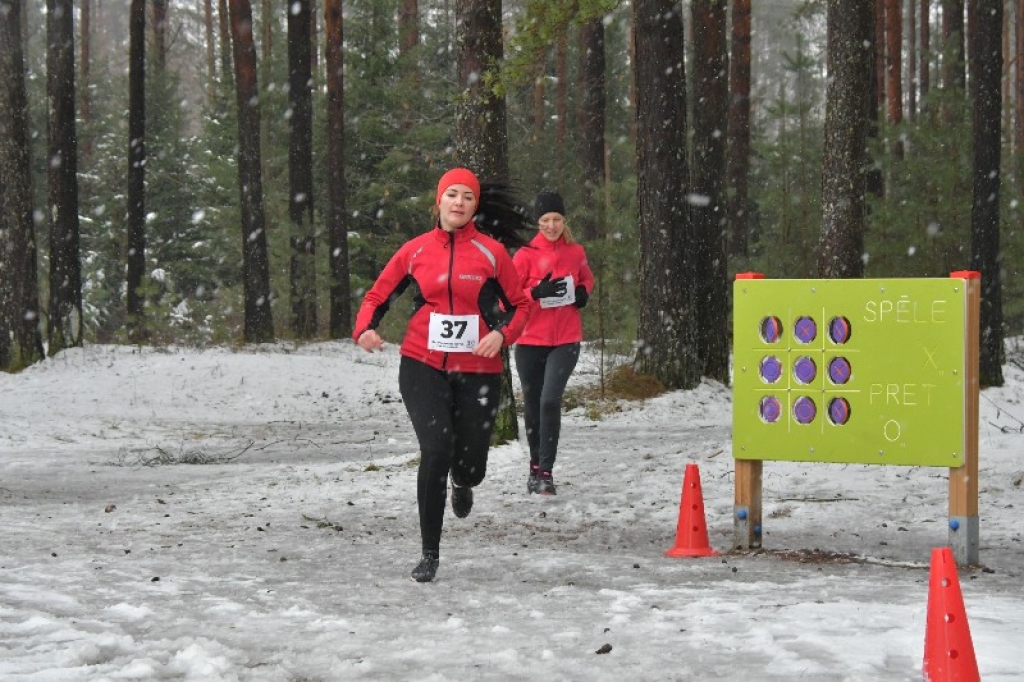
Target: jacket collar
[463,234]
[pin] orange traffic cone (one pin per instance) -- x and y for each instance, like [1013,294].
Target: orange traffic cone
[948,651]
[692,532]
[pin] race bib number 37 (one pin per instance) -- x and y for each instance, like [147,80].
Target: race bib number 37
[453,333]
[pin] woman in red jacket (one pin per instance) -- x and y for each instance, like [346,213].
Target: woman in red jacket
[554,270]
[450,369]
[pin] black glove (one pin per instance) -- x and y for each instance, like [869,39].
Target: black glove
[581,296]
[548,287]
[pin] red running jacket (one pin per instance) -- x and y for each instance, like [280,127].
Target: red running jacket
[552,326]
[460,273]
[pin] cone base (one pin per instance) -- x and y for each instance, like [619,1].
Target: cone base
[677,552]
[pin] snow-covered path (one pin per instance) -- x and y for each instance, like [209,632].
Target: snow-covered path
[286,557]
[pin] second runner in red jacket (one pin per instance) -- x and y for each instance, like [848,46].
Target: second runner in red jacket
[554,269]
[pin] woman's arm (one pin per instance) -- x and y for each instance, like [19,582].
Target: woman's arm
[518,303]
[393,280]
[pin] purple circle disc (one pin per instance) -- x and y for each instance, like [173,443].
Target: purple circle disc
[771,369]
[805,370]
[805,330]
[839,330]
[804,410]
[770,409]
[771,329]
[839,370]
[839,411]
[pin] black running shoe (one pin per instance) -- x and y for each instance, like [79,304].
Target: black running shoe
[462,501]
[545,484]
[534,480]
[426,569]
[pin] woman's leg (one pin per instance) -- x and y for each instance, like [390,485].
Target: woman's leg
[530,361]
[561,361]
[429,400]
[476,400]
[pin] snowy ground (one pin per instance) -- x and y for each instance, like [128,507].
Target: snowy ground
[285,556]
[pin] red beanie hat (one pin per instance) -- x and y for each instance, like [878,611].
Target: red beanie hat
[458,176]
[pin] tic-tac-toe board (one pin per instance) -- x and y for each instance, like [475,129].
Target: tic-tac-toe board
[859,371]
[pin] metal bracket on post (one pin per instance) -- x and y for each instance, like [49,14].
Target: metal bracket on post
[963,539]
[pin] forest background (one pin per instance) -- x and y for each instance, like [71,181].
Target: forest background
[165,232]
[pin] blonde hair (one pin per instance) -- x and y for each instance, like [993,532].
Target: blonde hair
[567,234]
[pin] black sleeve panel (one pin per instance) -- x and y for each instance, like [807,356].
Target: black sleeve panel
[382,309]
[495,307]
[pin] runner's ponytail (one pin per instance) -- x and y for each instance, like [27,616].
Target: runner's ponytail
[502,216]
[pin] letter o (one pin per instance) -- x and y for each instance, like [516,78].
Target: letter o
[888,432]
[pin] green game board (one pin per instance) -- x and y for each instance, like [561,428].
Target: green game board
[866,371]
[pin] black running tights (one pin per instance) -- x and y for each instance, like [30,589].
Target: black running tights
[543,372]
[453,416]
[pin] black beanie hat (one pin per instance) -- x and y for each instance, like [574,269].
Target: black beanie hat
[548,202]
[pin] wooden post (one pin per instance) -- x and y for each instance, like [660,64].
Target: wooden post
[747,507]
[963,481]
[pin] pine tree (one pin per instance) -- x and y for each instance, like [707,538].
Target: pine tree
[21,342]
[850,48]
[65,312]
[668,315]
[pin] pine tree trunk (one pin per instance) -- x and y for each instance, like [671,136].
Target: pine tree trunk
[879,56]
[592,127]
[1007,82]
[267,44]
[224,19]
[259,323]
[482,139]
[708,209]
[84,64]
[65,322]
[302,269]
[159,34]
[1019,90]
[21,342]
[850,54]
[894,61]
[539,105]
[480,134]
[408,26]
[136,213]
[876,94]
[667,313]
[953,63]
[314,45]
[561,99]
[739,130]
[912,60]
[986,63]
[337,229]
[211,59]
[925,74]
[894,71]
